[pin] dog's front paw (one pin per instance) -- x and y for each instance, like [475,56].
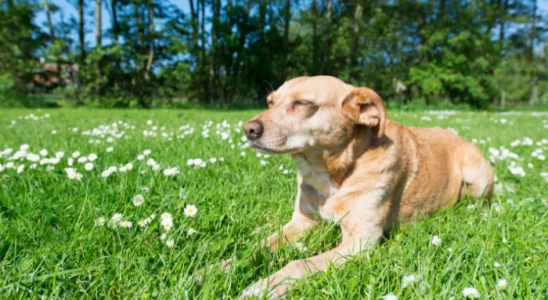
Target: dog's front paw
[273,287]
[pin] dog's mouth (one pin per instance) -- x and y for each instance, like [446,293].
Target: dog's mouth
[270,151]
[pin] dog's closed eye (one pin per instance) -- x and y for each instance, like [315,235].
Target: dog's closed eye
[298,103]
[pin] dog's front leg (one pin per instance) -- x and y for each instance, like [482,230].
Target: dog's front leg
[276,285]
[291,232]
[302,221]
[360,216]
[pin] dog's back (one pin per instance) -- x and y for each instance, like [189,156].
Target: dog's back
[442,168]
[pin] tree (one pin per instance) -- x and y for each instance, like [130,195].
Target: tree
[220,53]
[98,45]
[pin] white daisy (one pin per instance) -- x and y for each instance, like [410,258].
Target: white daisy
[142,223]
[109,149]
[191,210]
[129,166]
[92,157]
[167,224]
[436,241]
[20,169]
[88,166]
[165,215]
[43,152]
[140,157]
[100,221]
[191,231]
[408,280]
[75,154]
[138,200]
[471,293]
[147,152]
[170,243]
[163,236]
[389,297]
[126,224]
[105,173]
[117,217]
[301,246]
[502,284]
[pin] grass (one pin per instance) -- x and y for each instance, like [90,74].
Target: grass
[50,246]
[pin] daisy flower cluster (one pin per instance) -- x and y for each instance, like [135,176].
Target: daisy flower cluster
[108,133]
[467,293]
[31,117]
[166,220]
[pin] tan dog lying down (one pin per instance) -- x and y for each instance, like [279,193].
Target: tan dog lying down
[357,168]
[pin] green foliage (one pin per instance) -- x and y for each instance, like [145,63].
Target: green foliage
[220,53]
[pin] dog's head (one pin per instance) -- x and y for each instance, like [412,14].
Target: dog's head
[319,112]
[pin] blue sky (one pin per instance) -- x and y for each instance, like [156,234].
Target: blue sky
[69,10]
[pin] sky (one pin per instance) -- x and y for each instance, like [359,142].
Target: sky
[68,10]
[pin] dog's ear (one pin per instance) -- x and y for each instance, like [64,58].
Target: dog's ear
[366,108]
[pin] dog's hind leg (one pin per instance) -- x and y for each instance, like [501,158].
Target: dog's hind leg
[477,174]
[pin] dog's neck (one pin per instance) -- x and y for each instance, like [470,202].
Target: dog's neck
[338,162]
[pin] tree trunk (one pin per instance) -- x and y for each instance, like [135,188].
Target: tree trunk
[115,26]
[150,38]
[534,92]
[81,32]
[314,38]
[534,77]
[327,37]
[52,41]
[502,20]
[82,40]
[287,21]
[203,52]
[241,45]
[216,6]
[356,22]
[194,20]
[50,24]
[503,99]
[98,41]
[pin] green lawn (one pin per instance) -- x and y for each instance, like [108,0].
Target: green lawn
[50,244]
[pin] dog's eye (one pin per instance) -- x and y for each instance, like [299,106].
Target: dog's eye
[297,103]
[270,104]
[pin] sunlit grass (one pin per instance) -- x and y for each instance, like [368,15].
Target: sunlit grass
[50,244]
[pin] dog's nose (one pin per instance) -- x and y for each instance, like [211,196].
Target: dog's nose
[253,130]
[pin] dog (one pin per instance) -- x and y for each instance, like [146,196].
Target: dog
[357,168]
